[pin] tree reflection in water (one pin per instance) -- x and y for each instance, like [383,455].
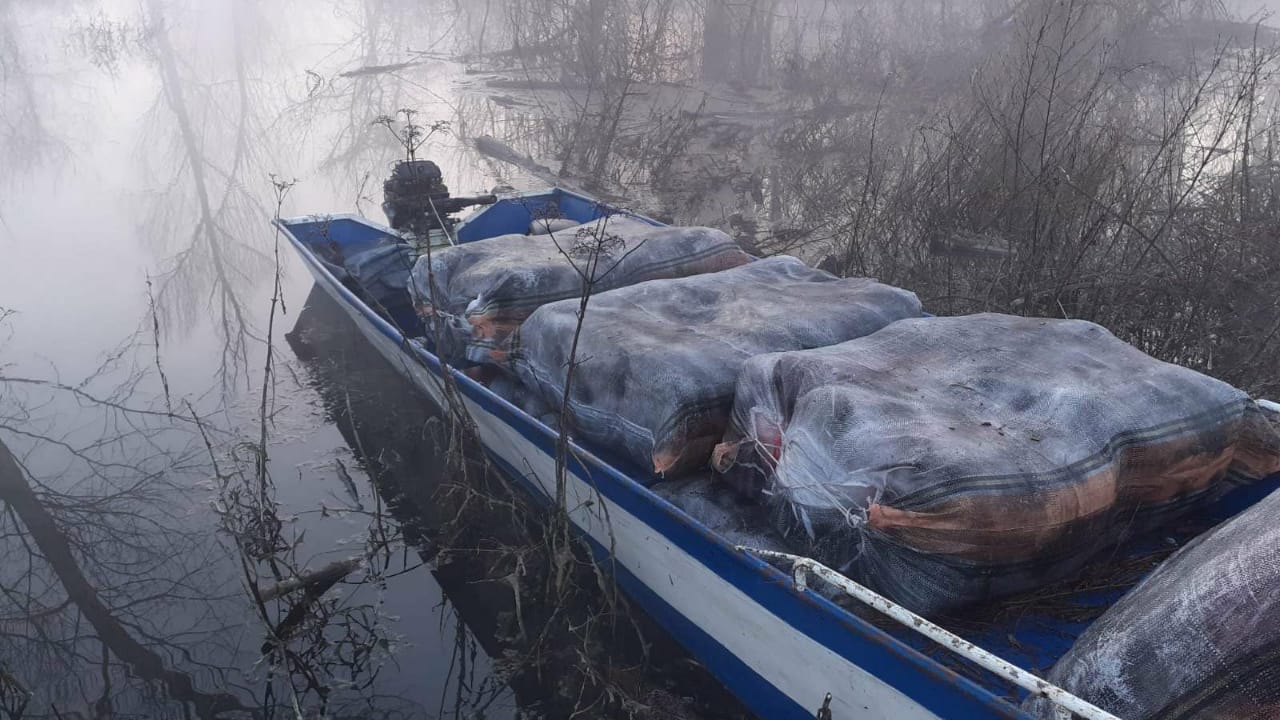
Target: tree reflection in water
[582,651]
[105,566]
[116,596]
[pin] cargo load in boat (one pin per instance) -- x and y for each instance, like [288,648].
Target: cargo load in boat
[654,364]
[1014,531]
[489,287]
[949,461]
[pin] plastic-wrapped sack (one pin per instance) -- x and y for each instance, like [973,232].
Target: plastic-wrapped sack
[546,226]
[496,283]
[657,361]
[382,272]
[724,513]
[380,275]
[945,461]
[1199,638]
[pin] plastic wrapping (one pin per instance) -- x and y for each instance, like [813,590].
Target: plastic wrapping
[724,513]
[944,461]
[657,361]
[496,283]
[546,226]
[382,272]
[1198,638]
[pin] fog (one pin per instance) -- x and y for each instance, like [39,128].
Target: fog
[180,441]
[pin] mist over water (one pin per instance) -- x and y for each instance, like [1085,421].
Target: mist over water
[157,486]
[138,141]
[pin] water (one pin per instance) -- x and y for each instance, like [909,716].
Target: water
[142,144]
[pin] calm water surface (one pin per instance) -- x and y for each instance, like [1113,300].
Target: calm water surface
[142,524]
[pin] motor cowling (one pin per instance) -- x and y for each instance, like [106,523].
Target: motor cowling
[408,196]
[415,198]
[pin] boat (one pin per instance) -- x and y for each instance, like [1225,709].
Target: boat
[783,648]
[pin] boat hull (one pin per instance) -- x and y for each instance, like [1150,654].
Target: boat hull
[780,649]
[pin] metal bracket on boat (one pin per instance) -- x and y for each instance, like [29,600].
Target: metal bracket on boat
[1065,704]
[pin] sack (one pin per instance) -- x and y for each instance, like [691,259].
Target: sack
[721,510]
[496,283]
[1198,638]
[657,361]
[945,461]
[379,275]
[546,226]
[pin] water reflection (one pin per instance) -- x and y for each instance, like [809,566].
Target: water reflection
[113,600]
[303,591]
[484,540]
[26,140]
[389,428]
[121,594]
[207,202]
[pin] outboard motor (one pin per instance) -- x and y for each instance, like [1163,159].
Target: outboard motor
[415,199]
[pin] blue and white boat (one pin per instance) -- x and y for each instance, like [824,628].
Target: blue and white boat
[783,649]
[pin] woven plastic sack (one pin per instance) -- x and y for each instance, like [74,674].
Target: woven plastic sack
[379,276]
[657,361]
[724,513]
[945,461]
[496,283]
[546,226]
[1199,638]
[382,272]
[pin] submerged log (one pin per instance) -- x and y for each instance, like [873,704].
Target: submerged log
[326,577]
